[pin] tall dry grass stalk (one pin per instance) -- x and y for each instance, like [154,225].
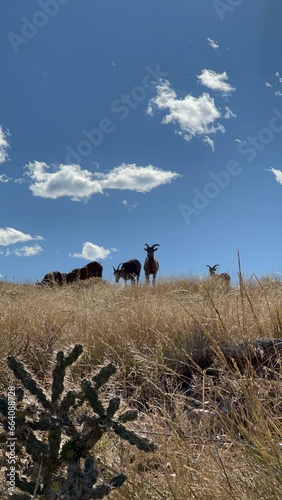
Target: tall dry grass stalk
[217,424]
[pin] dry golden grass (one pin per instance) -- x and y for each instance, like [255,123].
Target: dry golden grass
[218,428]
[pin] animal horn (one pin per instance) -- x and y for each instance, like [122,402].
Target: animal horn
[146,244]
[119,266]
[156,245]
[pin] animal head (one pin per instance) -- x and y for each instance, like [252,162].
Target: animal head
[225,277]
[212,269]
[117,273]
[150,250]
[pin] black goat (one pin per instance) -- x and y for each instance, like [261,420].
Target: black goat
[128,271]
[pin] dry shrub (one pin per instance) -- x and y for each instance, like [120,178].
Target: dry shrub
[217,425]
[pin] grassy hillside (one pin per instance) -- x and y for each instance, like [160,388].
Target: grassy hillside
[217,422]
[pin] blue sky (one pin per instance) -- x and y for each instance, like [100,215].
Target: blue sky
[125,123]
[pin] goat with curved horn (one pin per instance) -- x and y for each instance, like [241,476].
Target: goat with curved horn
[224,277]
[151,265]
[128,271]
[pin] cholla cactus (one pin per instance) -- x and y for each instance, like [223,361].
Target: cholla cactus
[58,445]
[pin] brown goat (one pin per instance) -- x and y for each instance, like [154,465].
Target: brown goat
[151,265]
[224,277]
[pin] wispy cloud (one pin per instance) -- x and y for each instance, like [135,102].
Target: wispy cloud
[81,184]
[90,251]
[25,251]
[213,43]
[215,81]
[194,116]
[130,207]
[4,144]
[277,174]
[210,142]
[4,178]
[11,236]
[229,113]
[275,83]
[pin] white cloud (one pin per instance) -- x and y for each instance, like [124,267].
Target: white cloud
[150,108]
[135,178]
[278,93]
[267,84]
[67,180]
[135,204]
[20,180]
[25,251]
[11,236]
[210,142]
[215,81]
[193,115]
[3,145]
[213,43]
[4,178]
[90,251]
[229,114]
[79,184]
[277,174]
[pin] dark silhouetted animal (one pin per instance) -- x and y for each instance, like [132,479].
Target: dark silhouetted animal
[51,279]
[64,277]
[224,277]
[128,271]
[151,265]
[73,275]
[91,270]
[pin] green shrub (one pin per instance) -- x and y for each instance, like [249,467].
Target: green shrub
[56,441]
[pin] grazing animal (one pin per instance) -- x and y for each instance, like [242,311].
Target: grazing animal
[128,271]
[151,265]
[51,279]
[91,270]
[64,277]
[223,276]
[73,275]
